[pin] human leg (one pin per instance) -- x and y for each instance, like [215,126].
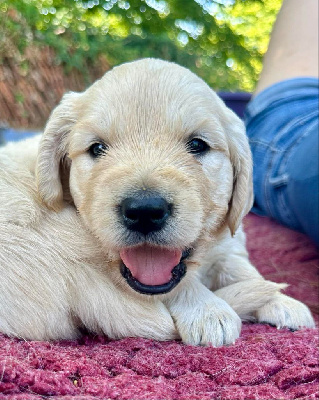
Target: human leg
[293,47]
[282,122]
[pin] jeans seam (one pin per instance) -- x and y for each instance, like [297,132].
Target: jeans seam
[284,131]
[269,187]
[289,87]
[284,162]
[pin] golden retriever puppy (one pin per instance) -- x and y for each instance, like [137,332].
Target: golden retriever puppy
[125,217]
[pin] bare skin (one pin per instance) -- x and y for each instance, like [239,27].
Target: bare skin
[293,48]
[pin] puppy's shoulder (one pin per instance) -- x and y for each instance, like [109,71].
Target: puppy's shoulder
[19,201]
[22,154]
[224,248]
[228,243]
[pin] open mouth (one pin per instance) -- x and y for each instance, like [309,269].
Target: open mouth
[153,270]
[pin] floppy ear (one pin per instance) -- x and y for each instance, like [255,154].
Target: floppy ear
[240,156]
[52,157]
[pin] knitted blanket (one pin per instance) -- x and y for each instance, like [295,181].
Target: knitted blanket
[264,363]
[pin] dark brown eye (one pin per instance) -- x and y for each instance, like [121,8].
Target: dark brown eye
[197,146]
[97,149]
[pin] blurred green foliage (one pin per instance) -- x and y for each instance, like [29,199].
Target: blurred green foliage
[223,41]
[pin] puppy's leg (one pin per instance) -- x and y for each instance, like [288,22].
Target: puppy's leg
[118,312]
[201,317]
[233,278]
[284,311]
[33,292]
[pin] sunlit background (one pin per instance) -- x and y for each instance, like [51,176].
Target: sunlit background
[48,47]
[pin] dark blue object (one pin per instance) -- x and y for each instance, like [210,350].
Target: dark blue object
[236,101]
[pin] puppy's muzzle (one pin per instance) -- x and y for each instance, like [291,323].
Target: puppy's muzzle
[146,266]
[145,213]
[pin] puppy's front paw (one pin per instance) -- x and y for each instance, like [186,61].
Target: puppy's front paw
[283,311]
[214,323]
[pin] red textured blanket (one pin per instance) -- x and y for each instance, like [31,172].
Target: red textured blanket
[264,363]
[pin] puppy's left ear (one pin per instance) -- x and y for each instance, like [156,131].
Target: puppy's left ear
[52,157]
[240,156]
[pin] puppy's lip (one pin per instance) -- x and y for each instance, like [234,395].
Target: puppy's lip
[178,272]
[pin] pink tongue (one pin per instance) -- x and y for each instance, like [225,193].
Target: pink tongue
[151,265]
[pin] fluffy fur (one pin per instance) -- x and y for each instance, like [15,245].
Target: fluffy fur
[60,233]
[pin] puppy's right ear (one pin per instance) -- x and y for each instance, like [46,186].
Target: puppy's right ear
[53,150]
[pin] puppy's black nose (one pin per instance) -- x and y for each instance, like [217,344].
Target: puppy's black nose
[145,214]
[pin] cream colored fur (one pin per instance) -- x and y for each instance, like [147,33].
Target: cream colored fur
[60,234]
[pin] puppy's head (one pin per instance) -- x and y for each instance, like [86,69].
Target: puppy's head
[156,165]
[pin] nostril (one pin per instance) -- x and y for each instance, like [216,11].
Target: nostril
[130,214]
[158,215]
[145,214]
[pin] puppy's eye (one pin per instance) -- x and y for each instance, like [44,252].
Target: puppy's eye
[197,146]
[97,149]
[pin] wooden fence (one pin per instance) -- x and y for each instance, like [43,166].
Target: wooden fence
[32,85]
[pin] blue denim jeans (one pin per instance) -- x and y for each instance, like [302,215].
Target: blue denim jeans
[282,126]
